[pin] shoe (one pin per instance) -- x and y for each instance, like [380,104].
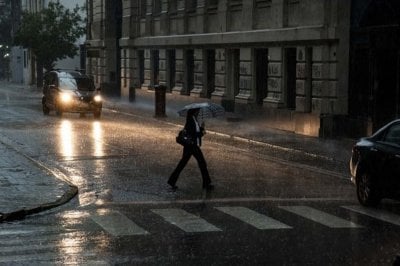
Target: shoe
[208,187]
[173,186]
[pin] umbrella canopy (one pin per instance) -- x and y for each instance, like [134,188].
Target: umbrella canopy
[207,109]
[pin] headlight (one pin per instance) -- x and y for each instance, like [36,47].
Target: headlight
[65,97]
[97,98]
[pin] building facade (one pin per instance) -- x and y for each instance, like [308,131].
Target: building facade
[286,61]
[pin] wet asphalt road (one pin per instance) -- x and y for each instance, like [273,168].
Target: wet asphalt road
[268,207]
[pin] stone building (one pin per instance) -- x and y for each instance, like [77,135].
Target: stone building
[286,61]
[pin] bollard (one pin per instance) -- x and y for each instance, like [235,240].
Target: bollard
[160,91]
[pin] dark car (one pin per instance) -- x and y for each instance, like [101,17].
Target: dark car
[375,165]
[70,91]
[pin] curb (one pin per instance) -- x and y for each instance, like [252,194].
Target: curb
[20,214]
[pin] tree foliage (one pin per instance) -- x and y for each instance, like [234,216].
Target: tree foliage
[51,34]
[5,23]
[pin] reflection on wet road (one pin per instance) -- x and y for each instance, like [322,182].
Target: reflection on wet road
[67,141]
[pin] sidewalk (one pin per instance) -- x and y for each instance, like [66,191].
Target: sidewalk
[251,129]
[37,189]
[27,187]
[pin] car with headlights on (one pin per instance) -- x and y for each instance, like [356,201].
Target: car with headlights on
[375,165]
[72,92]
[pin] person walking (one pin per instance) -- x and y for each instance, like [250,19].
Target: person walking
[195,132]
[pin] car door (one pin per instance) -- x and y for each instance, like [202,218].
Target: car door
[390,145]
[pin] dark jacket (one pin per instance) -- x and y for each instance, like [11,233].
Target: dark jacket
[190,127]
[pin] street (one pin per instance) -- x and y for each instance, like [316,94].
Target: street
[268,207]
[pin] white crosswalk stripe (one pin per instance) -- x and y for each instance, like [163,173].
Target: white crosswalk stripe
[117,224]
[253,218]
[186,221]
[320,217]
[382,215]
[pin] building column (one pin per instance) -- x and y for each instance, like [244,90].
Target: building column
[274,97]
[147,69]
[124,73]
[162,74]
[303,79]
[220,76]
[134,64]
[199,82]
[246,85]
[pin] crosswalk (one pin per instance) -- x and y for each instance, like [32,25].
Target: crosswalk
[78,238]
[118,224]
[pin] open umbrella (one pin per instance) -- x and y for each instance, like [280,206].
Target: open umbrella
[207,109]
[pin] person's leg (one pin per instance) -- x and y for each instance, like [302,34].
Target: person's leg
[198,154]
[187,153]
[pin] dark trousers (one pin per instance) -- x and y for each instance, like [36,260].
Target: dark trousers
[188,151]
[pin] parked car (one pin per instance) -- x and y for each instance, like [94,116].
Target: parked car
[70,91]
[375,165]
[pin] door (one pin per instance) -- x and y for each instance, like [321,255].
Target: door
[290,81]
[171,70]
[189,71]
[261,60]
[210,72]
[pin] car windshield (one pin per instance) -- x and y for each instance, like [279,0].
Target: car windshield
[70,83]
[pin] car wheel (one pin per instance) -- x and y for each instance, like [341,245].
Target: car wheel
[97,114]
[367,192]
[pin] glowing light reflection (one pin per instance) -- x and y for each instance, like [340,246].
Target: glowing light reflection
[67,139]
[97,133]
[71,246]
[74,217]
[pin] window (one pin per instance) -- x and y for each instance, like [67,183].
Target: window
[393,135]
[212,3]
[173,6]
[235,4]
[156,7]
[191,5]
[142,6]
[262,3]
